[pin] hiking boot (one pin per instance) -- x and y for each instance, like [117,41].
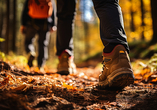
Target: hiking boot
[117,72]
[42,69]
[66,64]
[30,60]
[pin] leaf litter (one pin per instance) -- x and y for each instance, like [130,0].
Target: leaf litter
[30,89]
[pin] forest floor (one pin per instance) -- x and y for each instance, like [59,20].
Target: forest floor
[23,89]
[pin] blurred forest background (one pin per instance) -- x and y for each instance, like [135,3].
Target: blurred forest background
[140,22]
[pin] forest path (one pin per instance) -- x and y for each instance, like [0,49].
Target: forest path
[30,90]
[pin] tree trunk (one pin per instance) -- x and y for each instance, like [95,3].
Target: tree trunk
[14,26]
[132,25]
[2,24]
[1,20]
[154,21]
[142,18]
[7,27]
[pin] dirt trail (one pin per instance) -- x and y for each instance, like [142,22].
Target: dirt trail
[29,90]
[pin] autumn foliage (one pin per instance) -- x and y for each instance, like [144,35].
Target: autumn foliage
[27,88]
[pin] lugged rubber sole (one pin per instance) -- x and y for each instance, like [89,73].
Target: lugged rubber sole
[63,72]
[66,71]
[117,81]
[122,81]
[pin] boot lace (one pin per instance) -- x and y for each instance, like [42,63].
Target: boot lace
[104,65]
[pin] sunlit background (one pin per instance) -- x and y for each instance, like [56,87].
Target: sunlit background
[87,43]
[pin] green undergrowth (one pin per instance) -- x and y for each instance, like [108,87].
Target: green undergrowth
[142,50]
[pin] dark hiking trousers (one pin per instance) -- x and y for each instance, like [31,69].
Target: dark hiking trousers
[111,24]
[41,30]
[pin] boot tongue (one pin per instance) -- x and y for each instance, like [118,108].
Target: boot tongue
[106,59]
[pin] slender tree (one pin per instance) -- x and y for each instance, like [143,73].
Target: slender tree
[1,20]
[154,21]
[14,26]
[7,27]
[132,25]
[142,18]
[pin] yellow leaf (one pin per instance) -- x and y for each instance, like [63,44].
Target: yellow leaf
[20,88]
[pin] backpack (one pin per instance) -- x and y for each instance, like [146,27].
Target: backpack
[40,8]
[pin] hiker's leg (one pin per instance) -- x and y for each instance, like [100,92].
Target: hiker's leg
[29,39]
[117,72]
[65,14]
[43,42]
[111,24]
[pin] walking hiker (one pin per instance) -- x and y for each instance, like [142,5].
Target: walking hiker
[117,71]
[38,17]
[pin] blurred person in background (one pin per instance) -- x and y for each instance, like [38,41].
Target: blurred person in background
[38,17]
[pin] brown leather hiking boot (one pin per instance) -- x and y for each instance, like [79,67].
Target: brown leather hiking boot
[117,72]
[30,59]
[66,64]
